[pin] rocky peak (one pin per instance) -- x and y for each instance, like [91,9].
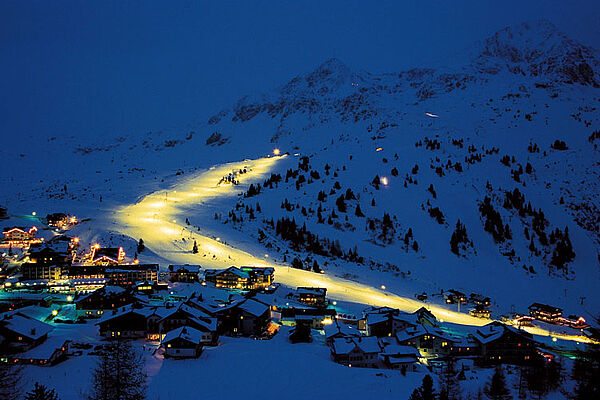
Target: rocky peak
[537,49]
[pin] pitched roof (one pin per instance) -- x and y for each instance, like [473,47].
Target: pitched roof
[495,330]
[254,307]
[45,350]
[341,329]
[25,326]
[345,345]
[420,330]
[186,333]
[311,290]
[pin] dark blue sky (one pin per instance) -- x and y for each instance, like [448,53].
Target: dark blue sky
[93,67]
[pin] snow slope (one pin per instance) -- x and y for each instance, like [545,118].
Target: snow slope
[527,84]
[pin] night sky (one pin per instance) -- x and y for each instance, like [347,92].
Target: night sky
[114,67]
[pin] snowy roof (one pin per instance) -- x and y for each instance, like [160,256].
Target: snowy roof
[45,350]
[187,267]
[379,317]
[399,359]
[25,326]
[494,330]
[312,290]
[399,350]
[376,318]
[365,344]
[186,333]
[254,307]
[420,330]
[339,328]
[104,291]
[123,311]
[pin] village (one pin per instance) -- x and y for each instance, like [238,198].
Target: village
[53,289]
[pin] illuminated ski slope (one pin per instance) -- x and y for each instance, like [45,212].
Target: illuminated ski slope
[159,218]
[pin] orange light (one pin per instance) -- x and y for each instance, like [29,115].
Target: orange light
[379,149]
[276,152]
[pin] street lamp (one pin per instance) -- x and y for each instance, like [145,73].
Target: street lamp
[382,287]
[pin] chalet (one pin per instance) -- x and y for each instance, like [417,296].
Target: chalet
[318,317]
[386,321]
[126,322]
[106,255]
[455,296]
[127,275]
[480,312]
[61,220]
[188,316]
[247,317]
[20,332]
[94,304]
[35,271]
[53,350]
[244,278]
[312,296]
[389,323]
[356,352]
[480,300]
[465,348]
[183,342]
[545,312]
[431,342]
[500,343]
[48,256]
[19,236]
[184,273]
[396,356]
[338,330]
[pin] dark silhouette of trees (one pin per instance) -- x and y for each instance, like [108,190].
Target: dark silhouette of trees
[10,382]
[119,374]
[425,391]
[496,389]
[141,246]
[459,239]
[41,392]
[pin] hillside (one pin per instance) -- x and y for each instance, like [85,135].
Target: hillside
[500,139]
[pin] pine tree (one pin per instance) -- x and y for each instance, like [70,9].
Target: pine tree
[195,248]
[316,267]
[41,392]
[358,212]
[427,391]
[119,374]
[10,382]
[141,246]
[497,389]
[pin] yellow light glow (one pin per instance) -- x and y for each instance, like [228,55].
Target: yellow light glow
[163,237]
[384,181]
[276,152]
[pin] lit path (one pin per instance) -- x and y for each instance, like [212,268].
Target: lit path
[159,218]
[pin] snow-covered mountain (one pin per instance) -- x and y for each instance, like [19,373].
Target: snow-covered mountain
[489,124]
[499,137]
